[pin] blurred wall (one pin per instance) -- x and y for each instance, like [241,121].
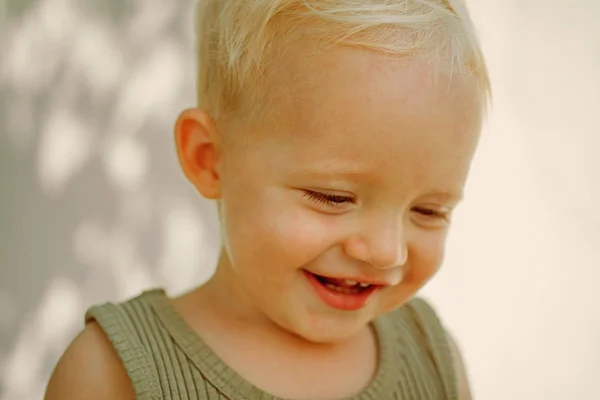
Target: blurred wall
[93,207]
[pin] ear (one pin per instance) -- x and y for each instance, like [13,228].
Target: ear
[198,150]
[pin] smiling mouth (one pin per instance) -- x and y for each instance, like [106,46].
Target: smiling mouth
[342,294]
[343,285]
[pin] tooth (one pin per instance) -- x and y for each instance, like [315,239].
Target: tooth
[341,289]
[362,284]
[350,283]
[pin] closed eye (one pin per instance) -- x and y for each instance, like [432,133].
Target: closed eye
[333,200]
[431,213]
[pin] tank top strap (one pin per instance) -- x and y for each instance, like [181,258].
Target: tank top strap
[116,320]
[436,337]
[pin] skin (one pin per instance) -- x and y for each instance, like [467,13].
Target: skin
[392,143]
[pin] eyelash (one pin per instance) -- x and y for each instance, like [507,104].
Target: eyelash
[336,200]
[333,200]
[429,213]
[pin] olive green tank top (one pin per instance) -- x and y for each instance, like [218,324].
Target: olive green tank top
[165,359]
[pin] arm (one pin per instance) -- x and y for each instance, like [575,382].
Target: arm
[90,369]
[464,392]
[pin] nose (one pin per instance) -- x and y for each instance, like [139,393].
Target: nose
[381,244]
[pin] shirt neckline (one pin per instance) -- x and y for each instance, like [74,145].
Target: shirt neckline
[233,385]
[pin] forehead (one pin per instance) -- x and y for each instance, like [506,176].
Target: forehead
[361,111]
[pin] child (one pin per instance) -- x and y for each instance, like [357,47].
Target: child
[336,138]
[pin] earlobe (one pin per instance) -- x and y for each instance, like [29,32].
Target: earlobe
[196,140]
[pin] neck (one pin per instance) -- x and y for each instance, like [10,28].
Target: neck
[228,297]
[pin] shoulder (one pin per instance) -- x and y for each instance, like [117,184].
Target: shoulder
[444,350]
[464,391]
[76,377]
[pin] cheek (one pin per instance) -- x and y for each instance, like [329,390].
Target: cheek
[300,233]
[426,256]
[275,233]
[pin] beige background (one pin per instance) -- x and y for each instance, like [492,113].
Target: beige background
[92,206]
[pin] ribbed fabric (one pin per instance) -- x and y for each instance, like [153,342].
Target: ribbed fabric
[166,360]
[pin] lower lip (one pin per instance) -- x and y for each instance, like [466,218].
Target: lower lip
[341,301]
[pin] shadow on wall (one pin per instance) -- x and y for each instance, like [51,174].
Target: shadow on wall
[93,206]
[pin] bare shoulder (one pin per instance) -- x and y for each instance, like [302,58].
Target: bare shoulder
[90,369]
[464,391]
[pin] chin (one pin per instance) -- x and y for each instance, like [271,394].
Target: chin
[327,331]
[327,338]
[318,324]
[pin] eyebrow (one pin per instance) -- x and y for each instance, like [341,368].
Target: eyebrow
[334,173]
[456,196]
[331,170]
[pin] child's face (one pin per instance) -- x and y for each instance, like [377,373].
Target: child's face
[392,147]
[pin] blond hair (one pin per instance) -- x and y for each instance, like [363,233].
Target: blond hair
[234,36]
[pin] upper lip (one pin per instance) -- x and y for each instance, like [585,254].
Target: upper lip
[370,281]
